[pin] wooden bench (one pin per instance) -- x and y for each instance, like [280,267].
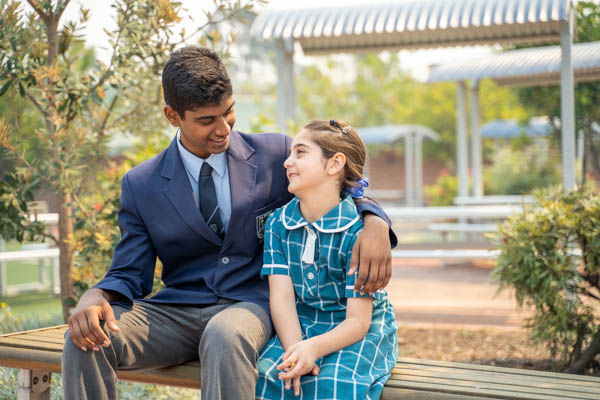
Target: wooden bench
[37,354]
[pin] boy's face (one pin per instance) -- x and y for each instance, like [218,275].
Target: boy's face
[205,130]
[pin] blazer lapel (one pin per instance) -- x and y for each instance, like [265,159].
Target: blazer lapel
[178,190]
[242,181]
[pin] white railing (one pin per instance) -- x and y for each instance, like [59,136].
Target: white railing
[37,252]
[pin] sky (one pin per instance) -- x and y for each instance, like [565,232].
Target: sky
[415,62]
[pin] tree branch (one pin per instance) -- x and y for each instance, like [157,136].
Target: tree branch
[105,119]
[582,362]
[39,11]
[60,8]
[215,22]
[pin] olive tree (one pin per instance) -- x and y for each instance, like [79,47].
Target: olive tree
[81,109]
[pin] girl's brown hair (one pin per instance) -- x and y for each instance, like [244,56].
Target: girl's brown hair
[339,137]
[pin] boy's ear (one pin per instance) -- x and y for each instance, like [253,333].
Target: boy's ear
[172,116]
[336,164]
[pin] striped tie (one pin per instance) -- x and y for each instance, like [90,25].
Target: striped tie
[208,200]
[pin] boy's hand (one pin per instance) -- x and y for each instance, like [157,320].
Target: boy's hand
[298,360]
[84,323]
[373,252]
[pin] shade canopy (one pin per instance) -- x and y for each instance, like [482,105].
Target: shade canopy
[414,24]
[391,133]
[524,67]
[509,128]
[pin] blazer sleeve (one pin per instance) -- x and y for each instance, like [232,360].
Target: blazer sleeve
[367,205]
[132,271]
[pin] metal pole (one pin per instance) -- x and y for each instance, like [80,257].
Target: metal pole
[567,101]
[476,152]
[461,140]
[285,82]
[418,170]
[409,170]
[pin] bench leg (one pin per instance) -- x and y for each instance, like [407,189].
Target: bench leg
[33,385]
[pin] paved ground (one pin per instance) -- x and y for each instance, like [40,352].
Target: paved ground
[425,292]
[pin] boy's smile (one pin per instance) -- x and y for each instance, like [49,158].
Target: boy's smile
[205,130]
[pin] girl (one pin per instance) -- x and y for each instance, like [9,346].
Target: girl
[331,342]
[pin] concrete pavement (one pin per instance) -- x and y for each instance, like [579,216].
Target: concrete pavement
[427,293]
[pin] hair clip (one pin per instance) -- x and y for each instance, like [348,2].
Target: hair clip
[345,130]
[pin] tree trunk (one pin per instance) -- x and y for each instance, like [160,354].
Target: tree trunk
[593,152]
[65,232]
[578,365]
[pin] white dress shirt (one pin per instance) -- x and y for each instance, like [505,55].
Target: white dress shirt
[219,174]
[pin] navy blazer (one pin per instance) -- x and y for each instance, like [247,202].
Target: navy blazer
[159,217]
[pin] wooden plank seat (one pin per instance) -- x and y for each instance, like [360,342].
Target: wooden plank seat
[37,353]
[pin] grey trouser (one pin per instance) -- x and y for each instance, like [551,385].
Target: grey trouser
[226,337]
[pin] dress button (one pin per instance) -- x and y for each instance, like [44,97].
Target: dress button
[225,260]
[310,275]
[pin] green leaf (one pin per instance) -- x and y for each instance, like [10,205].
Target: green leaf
[5,87]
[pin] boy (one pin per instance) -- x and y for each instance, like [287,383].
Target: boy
[200,207]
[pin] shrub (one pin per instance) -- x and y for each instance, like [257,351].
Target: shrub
[443,192]
[550,256]
[521,170]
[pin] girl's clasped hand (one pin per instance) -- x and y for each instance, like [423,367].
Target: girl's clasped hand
[298,360]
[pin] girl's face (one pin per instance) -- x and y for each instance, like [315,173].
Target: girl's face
[306,166]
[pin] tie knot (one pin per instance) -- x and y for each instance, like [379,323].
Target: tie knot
[206,169]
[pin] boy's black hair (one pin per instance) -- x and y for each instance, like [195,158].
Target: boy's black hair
[194,77]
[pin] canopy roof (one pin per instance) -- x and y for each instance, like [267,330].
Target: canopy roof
[507,128]
[414,23]
[524,67]
[391,133]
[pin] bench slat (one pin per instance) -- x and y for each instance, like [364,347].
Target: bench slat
[468,382]
[494,393]
[391,393]
[476,367]
[513,379]
[412,379]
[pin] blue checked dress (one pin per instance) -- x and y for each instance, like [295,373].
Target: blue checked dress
[316,256]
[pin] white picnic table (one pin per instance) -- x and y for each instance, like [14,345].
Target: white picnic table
[454,212]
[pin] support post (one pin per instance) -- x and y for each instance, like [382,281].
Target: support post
[476,152]
[567,101]
[418,170]
[55,276]
[285,82]
[462,146]
[461,140]
[33,385]
[409,164]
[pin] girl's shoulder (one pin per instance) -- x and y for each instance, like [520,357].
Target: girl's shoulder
[277,217]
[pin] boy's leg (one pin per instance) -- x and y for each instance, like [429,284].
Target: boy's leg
[150,336]
[229,348]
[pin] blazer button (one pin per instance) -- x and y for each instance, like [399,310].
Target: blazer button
[225,260]
[310,275]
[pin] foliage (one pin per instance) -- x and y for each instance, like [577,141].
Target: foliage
[443,192]
[381,92]
[81,102]
[545,100]
[550,257]
[16,189]
[517,170]
[10,322]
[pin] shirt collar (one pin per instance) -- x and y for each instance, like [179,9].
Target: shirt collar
[193,163]
[338,219]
